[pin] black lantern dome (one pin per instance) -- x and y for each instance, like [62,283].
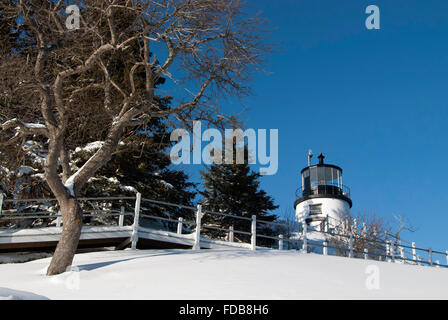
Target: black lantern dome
[322,181]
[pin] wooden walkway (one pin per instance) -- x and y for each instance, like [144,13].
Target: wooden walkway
[106,236]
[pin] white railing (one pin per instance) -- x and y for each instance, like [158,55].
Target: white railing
[386,247]
[334,240]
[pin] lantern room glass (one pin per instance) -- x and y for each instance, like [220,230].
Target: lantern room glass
[321,175]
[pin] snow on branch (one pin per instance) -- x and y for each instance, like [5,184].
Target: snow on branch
[93,146]
[23,129]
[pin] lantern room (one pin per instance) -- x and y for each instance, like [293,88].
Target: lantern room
[322,195]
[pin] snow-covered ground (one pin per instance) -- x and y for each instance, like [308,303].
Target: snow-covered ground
[21,257]
[222,274]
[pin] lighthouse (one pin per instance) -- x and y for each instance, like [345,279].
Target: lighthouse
[322,196]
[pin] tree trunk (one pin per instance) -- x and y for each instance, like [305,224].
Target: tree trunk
[71,232]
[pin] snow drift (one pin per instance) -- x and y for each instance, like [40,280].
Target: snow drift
[222,274]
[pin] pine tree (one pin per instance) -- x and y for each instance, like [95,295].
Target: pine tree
[235,189]
[141,164]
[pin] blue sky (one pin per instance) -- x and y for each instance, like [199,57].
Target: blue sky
[374,102]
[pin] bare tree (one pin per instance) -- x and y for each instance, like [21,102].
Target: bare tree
[403,224]
[367,229]
[370,232]
[111,64]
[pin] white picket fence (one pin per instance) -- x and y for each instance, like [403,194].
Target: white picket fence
[391,249]
[395,250]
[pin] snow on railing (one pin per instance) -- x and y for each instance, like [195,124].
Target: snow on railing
[338,240]
[46,213]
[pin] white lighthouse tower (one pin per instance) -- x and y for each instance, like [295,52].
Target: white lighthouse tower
[322,197]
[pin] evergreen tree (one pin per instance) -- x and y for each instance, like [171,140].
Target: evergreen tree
[142,161]
[235,189]
[142,164]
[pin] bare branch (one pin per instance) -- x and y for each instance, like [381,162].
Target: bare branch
[25,129]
